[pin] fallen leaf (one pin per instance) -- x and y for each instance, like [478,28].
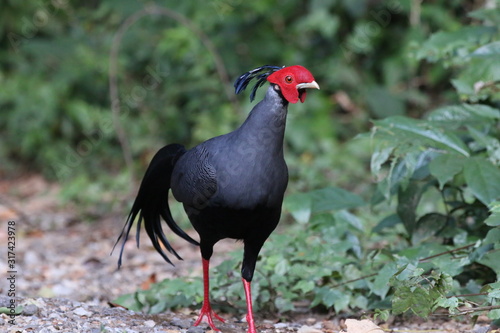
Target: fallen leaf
[116,305]
[362,326]
[147,284]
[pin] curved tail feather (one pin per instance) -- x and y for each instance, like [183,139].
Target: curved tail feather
[151,204]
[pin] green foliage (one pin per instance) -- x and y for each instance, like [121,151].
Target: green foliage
[168,294]
[420,294]
[444,173]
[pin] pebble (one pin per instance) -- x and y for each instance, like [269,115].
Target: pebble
[481,329]
[182,323]
[196,329]
[308,329]
[82,312]
[4,301]
[55,315]
[310,321]
[149,323]
[29,310]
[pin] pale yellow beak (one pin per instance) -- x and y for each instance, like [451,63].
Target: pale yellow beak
[313,84]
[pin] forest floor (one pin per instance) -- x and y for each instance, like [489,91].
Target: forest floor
[65,279]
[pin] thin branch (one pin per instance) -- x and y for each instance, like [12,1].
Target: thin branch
[354,280]
[447,252]
[478,309]
[468,295]
[489,84]
[421,260]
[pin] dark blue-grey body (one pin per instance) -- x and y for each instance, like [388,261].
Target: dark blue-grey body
[232,186]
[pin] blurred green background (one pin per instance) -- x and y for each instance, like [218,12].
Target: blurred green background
[407,119]
[55,57]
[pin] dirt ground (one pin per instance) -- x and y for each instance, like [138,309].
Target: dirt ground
[65,278]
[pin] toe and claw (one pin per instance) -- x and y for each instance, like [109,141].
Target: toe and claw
[208,313]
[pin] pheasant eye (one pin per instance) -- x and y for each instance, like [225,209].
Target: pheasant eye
[288,79]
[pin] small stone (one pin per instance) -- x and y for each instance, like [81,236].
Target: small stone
[308,329]
[182,323]
[30,310]
[55,315]
[149,323]
[196,329]
[47,329]
[280,325]
[481,329]
[4,301]
[82,312]
[111,312]
[311,321]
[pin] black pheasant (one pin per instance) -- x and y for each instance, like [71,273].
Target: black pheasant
[231,186]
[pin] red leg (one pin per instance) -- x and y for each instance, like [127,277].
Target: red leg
[248,294]
[206,309]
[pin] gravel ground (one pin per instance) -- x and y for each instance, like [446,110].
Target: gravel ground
[65,277]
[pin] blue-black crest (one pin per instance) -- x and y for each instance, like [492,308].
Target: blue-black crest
[260,74]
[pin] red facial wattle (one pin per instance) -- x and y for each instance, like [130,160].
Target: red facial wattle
[293,82]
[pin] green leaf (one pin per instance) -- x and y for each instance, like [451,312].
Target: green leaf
[342,301]
[490,259]
[343,216]
[401,301]
[299,205]
[382,314]
[408,199]
[335,298]
[495,293]
[493,236]
[427,226]
[494,219]
[494,315]
[379,157]
[451,267]
[17,311]
[329,297]
[447,303]
[423,130]
[304,286]
[421,302]
[445,167]
[380,285]
[483,140]
[479,79]
[446,44]
[486,14]
[283,304]
[487,50]
[455,116]
[282,267]
[334,198]
[483,179]
[387,222]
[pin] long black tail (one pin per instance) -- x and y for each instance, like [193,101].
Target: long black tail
[152,202]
